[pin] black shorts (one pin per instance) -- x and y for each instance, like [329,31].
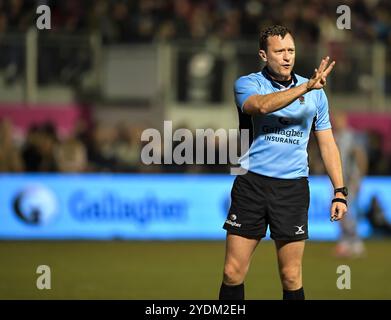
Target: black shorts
[258,202]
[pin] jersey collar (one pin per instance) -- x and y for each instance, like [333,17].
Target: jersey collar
[275,84]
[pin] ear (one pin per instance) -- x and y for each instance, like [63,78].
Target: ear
[263,55]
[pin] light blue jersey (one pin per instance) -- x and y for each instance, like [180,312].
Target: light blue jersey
[280,138]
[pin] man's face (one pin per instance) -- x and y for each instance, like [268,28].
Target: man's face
[280,56]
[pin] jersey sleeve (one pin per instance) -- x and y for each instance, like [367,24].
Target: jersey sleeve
[244,88]
[322,121]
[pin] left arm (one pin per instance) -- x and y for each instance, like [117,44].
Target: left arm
[332,162]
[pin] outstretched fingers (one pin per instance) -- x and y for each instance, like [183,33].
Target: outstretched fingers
[318,79]
[329,68]
[323,64]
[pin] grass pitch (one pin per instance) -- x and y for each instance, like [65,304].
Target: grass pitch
[178,270]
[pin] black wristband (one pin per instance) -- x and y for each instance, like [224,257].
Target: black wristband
[340,200]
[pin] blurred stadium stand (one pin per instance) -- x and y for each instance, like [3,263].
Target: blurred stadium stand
[109,69]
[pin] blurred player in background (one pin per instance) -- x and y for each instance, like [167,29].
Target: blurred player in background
[355,164]
[274,193]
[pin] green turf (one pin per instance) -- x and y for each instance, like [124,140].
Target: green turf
[178,270]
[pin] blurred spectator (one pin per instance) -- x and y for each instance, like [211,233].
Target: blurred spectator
[101,154]
[10,160]
[355,166]
[378,162]
[18,17]
[71,156]
[30,152]
[38,152]
[377,219]
[127,148]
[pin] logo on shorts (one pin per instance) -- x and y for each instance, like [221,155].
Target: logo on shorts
[231,221]
[299,229]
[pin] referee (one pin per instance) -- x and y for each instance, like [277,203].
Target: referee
[284,107]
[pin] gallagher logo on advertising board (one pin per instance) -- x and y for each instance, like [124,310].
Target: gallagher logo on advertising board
[110,207]
[35,205]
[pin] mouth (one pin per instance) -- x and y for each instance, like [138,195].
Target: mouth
[286,66]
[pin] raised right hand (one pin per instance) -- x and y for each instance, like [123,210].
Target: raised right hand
[318,80]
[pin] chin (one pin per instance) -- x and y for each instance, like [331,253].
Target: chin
[286,73]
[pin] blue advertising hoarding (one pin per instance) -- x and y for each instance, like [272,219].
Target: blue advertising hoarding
[146,207]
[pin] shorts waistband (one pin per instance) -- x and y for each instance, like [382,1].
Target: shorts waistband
[274,178]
